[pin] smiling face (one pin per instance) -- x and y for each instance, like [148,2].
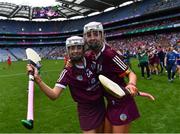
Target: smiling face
[75,53]
[94,36]
[94,39]
[75,48]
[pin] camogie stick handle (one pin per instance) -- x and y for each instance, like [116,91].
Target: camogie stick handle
[29,121]
[30,111]
[34,59]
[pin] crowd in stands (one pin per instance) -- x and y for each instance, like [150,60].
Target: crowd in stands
[57,52]
[163,4]
[132,43]
[152,45]
[147,25]
[155,53]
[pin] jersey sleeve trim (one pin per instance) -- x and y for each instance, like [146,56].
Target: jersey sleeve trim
[120,63]
[60,85]
[62,75]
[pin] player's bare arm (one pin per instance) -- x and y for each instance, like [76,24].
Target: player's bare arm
[52,93]
[131,86]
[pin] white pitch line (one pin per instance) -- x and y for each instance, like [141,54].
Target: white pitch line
[18,74]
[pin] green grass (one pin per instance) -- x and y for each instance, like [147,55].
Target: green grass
[60,116]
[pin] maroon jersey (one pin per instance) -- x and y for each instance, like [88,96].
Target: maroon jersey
[110,64]
[82,81]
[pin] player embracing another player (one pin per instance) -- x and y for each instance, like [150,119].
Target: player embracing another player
[120,112]
[84,86]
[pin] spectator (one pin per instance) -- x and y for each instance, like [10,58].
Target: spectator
[143,61]
[170,63]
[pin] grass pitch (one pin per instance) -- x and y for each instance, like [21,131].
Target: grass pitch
[60,116]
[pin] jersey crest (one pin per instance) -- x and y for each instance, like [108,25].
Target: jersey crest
[79,77]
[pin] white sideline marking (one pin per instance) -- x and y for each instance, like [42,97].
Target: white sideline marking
[11,75]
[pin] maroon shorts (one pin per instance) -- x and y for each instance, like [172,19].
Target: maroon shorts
[122,112]
[91,116]
[151,62]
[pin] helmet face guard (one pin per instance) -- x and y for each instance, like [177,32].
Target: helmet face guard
[94,40]
[75,48]
[94,35]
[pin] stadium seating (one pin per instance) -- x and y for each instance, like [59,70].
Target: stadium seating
[48,38]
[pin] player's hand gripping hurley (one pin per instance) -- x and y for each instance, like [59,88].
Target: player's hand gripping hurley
[34,59]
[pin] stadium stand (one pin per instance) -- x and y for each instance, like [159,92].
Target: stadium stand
[126,25]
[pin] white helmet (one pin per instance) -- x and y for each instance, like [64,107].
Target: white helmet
[74,41]
[95,26]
